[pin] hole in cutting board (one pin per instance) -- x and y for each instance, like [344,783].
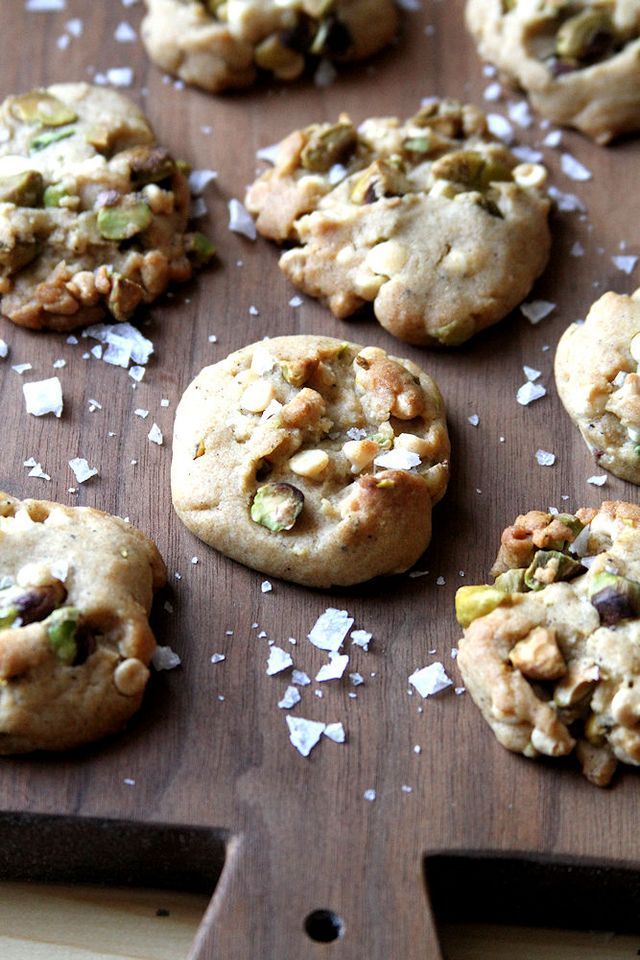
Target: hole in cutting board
[324,926]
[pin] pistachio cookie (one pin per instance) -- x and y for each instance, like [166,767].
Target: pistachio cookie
[578,60]
[217,44]
[311,459]
[93,212]
[596,370]
[75,592]
[431,220]
[551,651]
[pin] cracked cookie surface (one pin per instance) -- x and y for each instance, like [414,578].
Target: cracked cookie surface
[76,587]
[430,220]
[596,371]
[93,212]
[551,650]
[311,459]
[579,62]
[220,45]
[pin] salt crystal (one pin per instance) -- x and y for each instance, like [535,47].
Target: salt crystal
[529,392]
[278,660]
[195,560]
[410,5]
[325,74]
[398,459]
[553,139]
[459,690]
[253,311]
[361,638]
[335,732]
[63,41]
[266,586]
[164,658]
[197,209]
[573,168]
[137,373]
[356,679]
[545,459]
[527,154]
[21,367]
[406,789]
[81,469]
[46,5]
[489,70]
[500,127]
[531,373]
[43,396]
[268,154]
[577,250]
[520,113]
[124,337]
[4,349]
[355,433]
[240,220]
[304,734]
[290,698]
[537,310]
[598,480]
[431,679]
[155,435]
[164,402]
[200,179]
[212,338]
[143,414]
[626,264]
[124,33]
[334,669]
[218,658]
[37,471]
[417,749]
[59,364]
[300,678]
[120,76]
[619,378]
[493,92]
[296,301]
[369,795]
[75,26]
[474,419]
[262,360]
[330,629]
[566,202]
[129,782]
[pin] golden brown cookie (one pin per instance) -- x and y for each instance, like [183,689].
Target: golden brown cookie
[76,587]
[551,650]
[430,220]
[93,212]
[578,60]
[221,45]
[311,459]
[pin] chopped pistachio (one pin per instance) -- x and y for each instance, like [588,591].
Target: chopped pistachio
[7,617]
[38,106]
[581,37]
[200,249]
[550,566]
[277,506]
[53,194]
[385,484]
[121,223]
[23,189]
[50,136]
[512,581]
[614,597]
[417,144]
[99,136]
[384,178]
[470,168]
[329,145]
[477,601]
[149,165]
[62,627]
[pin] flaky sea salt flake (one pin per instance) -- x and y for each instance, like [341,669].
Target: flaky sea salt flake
[626,264]
[598,480]
[304,734]
[529,392]
[278,661]
[300,678]
[335,732]
[164,658]
[155,435]
[200,179]
[333,670]
[361,638]
[81,469]
[43,396]
[124,33]
[398,459]
[430,680]
[330,629]
[240,220]
[573,169]
[120,76]
[537,310]
[545,458]
[290,698]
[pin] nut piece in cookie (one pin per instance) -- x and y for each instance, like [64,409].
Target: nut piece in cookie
[219,45]
[578,60]
[93,213]
[430,220]
[311,459]
[551,651]
[76,587]
[596,371]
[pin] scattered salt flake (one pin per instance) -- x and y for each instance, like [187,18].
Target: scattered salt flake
[218,658]
[120,76]
[573,169]
[553,139]
[626,264]
[143,414]
[253,311]
[335,732]
[63,42]
[43,396]
[577,250]
[59,364]
[300,678]
[123,337]
[164,658]
[369,795]
[46,5]
[137,373]
[493,91]
[195,560]
[164,402]
[296,301]
[545,458]
[262,360]
[520,113]
[454,653]
[212,338]
[21,367]
[529,392]
[266,586]
[81,469]
[129,782]
[489,70]
[325,74]
[304,734]
[410,5]
[334,669]
[527,154]
[531,373]
[474,419]
[278,661]
[268,154]
[124,33]
[418,573]
[36,470]
[155,435]
[355,433]
[500,127]
[96,351]
[240,220]
[398,459]
[330,629]
[440,582]
[361,638]
[356,679]
[459,690]
[200,179]
[537,310]
[598,480]
[319,694]
[290,698]
[566,202]
[198,209]
[406,789]
[417,749]
[4,348]
[430,680]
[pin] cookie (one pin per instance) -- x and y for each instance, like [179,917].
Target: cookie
[221,45]
[93,212]
[596,370]
[579,62]
[75,591]
[551,651]
[431,220]
[311,459]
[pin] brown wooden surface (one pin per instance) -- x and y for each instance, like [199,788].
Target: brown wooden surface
[302,836]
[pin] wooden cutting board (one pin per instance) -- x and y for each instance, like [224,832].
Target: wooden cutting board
[205,787]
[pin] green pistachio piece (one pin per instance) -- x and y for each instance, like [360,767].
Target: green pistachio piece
[615,598]
[512,581]
[470,168]
[54,193]
[417,144]
[579,36]
[382,179]
[329,145]
[38,106]
[474,602]
[62,627]
[121,223]
[19,255]
[574,525]
[277,506]
[51,136]
[23,189]
[7,617]
[199,248]
[149,165]
[550,566]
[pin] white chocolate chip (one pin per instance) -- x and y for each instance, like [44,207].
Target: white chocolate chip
[309,463]
[456,262]
[257,397]
[634,348]
[360,453]
[130,677]
[35,575]
[530,175]
[409,441]
[387,258]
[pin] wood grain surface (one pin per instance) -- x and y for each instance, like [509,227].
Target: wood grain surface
[210,748]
